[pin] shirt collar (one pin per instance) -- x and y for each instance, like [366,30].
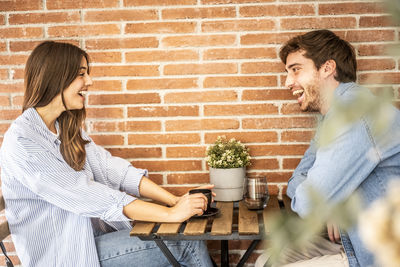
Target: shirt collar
[32,117]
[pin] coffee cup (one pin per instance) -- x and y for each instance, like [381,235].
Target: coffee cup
[206,192]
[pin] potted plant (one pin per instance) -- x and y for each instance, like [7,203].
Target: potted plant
[227,160]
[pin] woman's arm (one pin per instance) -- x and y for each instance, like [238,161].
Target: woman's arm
[149,189]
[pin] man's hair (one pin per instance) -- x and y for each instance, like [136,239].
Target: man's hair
[321,46]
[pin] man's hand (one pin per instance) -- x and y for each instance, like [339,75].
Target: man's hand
[333,232]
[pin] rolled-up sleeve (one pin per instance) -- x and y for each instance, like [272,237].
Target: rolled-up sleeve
[118,172]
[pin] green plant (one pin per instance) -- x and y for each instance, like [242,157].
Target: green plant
[226,154]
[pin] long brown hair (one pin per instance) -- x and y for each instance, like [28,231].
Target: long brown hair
[321,46]
[50,69]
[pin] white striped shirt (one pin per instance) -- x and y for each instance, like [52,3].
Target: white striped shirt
[50,206]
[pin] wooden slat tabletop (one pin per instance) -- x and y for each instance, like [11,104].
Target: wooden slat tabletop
[222,224]
[142,228]
[268,212]
[168,228]
[248,220]
[196,227]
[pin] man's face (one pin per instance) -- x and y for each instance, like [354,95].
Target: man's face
[303,80]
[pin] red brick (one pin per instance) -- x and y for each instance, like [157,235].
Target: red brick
[120,15]
[240,81]
[290,108]
[350,8]
[188,178]
[157,178]
[106,85]
[21,32]
[205,68]
[369,35]
[106,126]
[161,27]
[267,38]
[108,140]
[372,49]
[137,152]
[238,25]
[199,13]
[2,20]
[158,3]
[42,18]
[153,84]
[70,4]
[204,124]
[21,5]
[19,46]
[186,152]
[17,73]
[3,74]
[2,46]
[290,163]
[105,57]
[239,53]
[105,113]
[9,114]
[169,165]
[164,111]
[83,30]
[126,70]
[244,137]
[376,21]
[5,101]
[143,126]
[151,139]
[376,64]
[198,40]
[211,2]
[12,59]
[279,123]
[277,150]
[122,43]
[203,96]
[244,109]
[273,177]
[277,10]
[379,78]
[262,164]
[12,87]
[317,23]
[161,55]
[262,67]
[178,190]
[4,127]
[115,99]
[273,94]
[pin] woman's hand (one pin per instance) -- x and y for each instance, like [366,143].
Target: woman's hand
[188,206]
[333,232]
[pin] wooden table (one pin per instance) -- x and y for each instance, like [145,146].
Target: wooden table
[234,222]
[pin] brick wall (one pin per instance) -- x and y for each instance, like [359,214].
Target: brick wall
[170,76]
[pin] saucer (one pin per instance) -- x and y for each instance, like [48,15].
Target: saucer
[210,212]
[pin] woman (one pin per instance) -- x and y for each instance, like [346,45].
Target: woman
[66,196]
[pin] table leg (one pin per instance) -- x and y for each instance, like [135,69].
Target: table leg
[248,253]
[224,253]
[167,253]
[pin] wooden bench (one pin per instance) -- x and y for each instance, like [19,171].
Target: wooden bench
[4,232]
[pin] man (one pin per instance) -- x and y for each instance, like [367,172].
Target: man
[321,70]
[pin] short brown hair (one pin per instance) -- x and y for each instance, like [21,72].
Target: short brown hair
[321,46]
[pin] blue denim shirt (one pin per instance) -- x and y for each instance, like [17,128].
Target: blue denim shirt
[356,161]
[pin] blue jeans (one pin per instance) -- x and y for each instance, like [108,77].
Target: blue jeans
[118,249]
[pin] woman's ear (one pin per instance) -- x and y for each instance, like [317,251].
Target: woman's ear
[328,68]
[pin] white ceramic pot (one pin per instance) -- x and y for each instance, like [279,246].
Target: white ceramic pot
[228,183]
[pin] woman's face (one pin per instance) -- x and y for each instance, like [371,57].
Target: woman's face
[74,94]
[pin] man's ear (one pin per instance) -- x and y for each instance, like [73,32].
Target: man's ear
[328,68]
